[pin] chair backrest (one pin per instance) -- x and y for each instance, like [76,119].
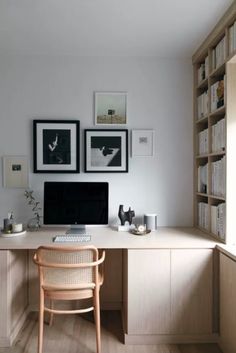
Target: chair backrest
[68,267]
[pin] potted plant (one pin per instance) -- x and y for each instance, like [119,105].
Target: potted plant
[35,222]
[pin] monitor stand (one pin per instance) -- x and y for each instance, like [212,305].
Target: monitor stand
[76,229]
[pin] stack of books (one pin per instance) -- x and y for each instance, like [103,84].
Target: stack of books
[202,102]
[203,141]
[218,177]
[219,54]
[232,38]
[218,220]
[218,136]
[203,215]
[202,178]
[203,71]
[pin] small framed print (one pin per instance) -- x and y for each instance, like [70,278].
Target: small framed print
[106,151]
[56,146]
[15,172]
[142,143]
[110,108]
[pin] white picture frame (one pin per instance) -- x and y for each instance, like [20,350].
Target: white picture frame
[15,172]
[142,143]
[110,108]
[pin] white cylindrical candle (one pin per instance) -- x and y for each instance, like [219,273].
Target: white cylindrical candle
[17,227]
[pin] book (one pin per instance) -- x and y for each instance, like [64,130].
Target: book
[203,178]
[218,220]
[202,105]
[218,136]
[218,94]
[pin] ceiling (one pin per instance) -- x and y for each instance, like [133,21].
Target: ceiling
[164,28]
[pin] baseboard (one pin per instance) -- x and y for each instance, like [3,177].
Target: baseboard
[8,340]
[18,326]
[169,339]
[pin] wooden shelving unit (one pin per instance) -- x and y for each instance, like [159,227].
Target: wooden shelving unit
[214,65]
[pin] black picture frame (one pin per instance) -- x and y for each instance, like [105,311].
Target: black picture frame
[106,151]
[56,146]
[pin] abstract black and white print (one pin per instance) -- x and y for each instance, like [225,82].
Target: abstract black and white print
[106,151]
[56,146]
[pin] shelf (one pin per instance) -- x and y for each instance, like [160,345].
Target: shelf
[212,154]
[202,120]
[215,197]
[220,198]
[203,84]
[202,194]
[202,156]
[216,154]
[217,112]
[219,71]
[202,229]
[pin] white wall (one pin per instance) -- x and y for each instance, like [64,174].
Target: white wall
[159,98]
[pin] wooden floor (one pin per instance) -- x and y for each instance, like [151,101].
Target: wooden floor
[76,334]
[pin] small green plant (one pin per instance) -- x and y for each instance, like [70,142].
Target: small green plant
[35,206]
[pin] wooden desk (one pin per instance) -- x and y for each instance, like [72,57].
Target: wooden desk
[164,281]
[110,238]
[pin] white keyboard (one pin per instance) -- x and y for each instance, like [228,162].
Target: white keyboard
[72,238]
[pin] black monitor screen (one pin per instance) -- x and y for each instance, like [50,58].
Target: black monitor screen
[75,203]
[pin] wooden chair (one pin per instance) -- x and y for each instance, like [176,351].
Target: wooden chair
[69,273]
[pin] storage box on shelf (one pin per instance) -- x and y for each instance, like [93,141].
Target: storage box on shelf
[212,105]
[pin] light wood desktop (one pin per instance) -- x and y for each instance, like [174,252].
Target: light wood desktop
[163,282]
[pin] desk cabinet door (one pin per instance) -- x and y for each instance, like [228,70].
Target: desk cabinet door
[191,291]
[148,291]
[227,304]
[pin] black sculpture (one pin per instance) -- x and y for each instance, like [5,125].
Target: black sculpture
[125,216]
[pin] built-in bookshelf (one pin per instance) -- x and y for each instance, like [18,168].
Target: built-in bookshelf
[214,66]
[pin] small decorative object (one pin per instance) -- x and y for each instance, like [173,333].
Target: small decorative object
[110,108]
[7,223]
[140,230]
[125,216]
[142,143]
[56,146]
[220,94]
[17,227]
[15,172]
[106,151]
[35,222]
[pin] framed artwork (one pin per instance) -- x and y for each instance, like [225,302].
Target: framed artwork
[110,108]
[106,151]
[56,146]
[15,172]
[142,143]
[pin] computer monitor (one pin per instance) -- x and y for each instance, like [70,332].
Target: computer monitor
[76,204]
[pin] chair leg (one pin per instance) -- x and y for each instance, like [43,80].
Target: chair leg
[41,321]
[51,314]
[97,320]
